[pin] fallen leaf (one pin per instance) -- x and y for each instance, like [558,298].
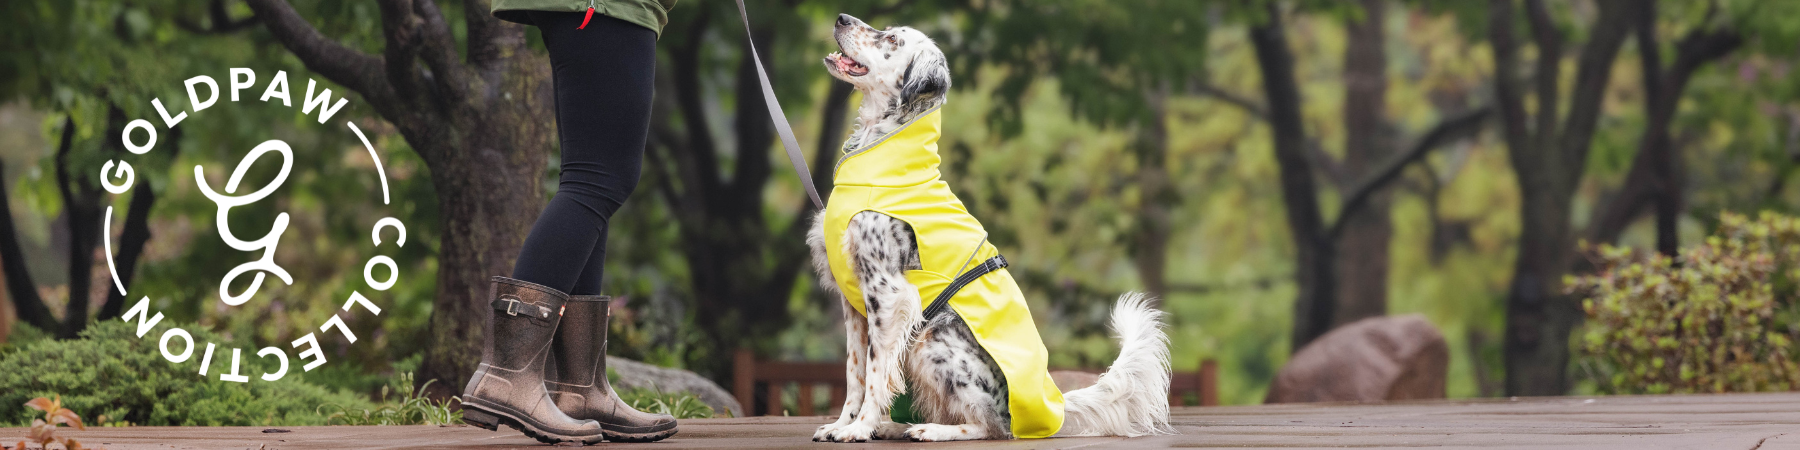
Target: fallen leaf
[68,417]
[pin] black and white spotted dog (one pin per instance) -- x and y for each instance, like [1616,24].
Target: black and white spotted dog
[958,388]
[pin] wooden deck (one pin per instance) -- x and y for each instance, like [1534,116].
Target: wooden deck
[1743,421]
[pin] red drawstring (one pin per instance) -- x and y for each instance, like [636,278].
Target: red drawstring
[585,19]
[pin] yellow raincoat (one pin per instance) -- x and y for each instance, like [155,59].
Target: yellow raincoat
[898,176]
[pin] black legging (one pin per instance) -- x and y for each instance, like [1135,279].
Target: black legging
[604,78]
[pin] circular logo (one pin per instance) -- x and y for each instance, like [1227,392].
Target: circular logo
[203,92]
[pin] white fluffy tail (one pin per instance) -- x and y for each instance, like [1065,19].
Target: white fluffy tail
[1132,397]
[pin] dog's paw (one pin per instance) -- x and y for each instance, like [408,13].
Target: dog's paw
[824,433]
[931,432]
[891,431]
[854,432]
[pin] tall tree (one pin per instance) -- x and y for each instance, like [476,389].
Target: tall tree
[481,121]
[1362,257]
[83,59]
[1319,244]
[1655,179]
[1549,152]
[1313,269]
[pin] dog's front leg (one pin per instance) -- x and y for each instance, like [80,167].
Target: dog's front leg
[856,332]
[881,250]
[856,347]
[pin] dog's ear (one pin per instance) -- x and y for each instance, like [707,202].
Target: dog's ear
[926,78]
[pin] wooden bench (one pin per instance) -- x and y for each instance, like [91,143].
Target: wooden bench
[774,377]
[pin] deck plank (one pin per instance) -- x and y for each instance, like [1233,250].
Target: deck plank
[1735,421]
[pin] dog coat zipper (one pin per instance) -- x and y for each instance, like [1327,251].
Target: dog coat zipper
[589,16]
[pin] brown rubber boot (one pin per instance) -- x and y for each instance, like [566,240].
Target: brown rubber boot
[508,387]
[578,377]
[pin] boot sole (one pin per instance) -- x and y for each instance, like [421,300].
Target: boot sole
[653,436]
[491,420]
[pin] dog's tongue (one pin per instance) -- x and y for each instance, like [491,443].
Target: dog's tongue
[847,65]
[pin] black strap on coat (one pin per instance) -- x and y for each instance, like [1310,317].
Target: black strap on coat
[942,303]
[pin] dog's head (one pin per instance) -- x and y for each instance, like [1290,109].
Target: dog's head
[899,65]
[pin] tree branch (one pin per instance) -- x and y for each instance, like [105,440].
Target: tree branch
[1249,106]
[1450,130]
[135,236]
[355,70]
[1315,304]
[1328,165]
[486,34]
[792,254]
[755,131]
[400,29]
[699,164]
[1508,94]
[1549,64]
[1591,77]
[81,208]
[438,49]
[1653,174]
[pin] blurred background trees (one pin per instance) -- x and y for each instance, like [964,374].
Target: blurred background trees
[1270,169]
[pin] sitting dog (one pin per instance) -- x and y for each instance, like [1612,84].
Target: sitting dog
[927,296]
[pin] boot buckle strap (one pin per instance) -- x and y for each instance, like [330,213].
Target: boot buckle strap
[513,307]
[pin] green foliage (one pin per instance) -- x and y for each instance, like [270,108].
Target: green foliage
[412,408]
[682,405]
[111,372]
[1706,321]
[22,334]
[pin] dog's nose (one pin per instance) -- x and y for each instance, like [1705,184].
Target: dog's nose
[844,19]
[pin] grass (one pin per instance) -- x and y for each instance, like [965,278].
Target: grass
[682,405]
[412,408]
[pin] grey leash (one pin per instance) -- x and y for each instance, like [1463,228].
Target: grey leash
[780,119]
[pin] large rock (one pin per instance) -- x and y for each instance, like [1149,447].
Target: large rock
[1374,359]
[637,375]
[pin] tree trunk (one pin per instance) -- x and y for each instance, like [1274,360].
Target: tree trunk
[1362,259]
[1539,315]
[135,236]
[1548,163]
[488,198]
[1313,267]
[81,204]
[481,121]
[1156,196]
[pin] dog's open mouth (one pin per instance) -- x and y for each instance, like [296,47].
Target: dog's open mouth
[847,65]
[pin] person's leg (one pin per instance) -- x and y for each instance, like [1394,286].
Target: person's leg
[604,75]
[604,78]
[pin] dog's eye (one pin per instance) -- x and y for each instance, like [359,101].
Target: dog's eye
[892,40]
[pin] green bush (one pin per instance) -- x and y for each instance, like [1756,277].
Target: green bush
[1718,318]
[112,372]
